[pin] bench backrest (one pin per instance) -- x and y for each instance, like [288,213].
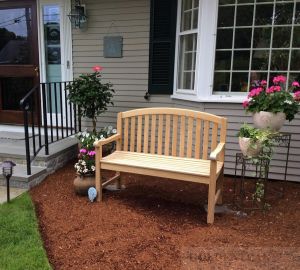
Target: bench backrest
[170,131]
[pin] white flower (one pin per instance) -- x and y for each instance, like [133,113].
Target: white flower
[109,128]
[288,102]
[93,168]
[101,137]
[114,131]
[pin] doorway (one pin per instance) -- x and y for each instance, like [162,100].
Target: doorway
[19,71]
[55,55]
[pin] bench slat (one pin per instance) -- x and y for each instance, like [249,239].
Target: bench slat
[126,127]
[167,134]
[214,136]
[153,134]
[174,135]
[132,133]
[205,140]
[182,136]
[190,131]
[160,134]
[198,138]
[139,134]
[146,134]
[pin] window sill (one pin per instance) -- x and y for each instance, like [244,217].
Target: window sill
[212,99]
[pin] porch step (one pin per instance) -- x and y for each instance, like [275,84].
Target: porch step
[60,151]
[14,149]
[20,179]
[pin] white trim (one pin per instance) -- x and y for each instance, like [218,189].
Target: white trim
[212,99]
[207,41]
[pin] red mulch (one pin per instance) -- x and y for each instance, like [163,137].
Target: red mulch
[160,224]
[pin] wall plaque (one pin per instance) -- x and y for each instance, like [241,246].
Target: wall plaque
[113,46]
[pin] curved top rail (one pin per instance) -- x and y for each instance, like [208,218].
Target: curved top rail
[27,97]
[174,111]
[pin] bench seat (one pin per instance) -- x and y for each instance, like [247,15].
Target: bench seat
[187,169]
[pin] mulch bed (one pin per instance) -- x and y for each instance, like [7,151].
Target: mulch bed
[160,224]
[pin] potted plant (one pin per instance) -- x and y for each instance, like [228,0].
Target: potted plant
[255,142]
[271,106]
[85,166]
[91,95]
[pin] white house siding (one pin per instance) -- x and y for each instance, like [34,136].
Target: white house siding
[129,74]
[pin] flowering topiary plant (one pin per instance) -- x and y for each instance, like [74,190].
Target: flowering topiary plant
[86,156]
[91,95]
[274,98]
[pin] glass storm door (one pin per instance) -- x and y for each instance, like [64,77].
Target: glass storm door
[18,56]
[55,46]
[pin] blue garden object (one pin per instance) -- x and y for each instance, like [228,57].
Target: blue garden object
[92,194]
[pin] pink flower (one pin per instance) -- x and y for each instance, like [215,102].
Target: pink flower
[91,153]
[297,95]
[296,84]
[97,68]
[245,104]
[82,151]
[279,79]
[272,89]
[255,92]
[263,82]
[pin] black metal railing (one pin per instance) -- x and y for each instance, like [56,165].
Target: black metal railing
[50,117]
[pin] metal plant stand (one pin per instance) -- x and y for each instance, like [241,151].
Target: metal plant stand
[249,196]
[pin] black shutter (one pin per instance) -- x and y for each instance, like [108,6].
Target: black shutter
[162,46]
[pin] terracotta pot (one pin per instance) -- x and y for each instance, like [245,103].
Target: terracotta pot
[248,149]
[83,183]
[268,120]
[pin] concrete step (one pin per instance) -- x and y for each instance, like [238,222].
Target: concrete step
[14,149]
[20,179]
[58,151]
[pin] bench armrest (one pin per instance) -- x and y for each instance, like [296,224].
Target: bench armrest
[214,155]
[113,138]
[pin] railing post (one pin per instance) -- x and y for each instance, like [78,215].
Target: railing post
[45,118]
[27,140]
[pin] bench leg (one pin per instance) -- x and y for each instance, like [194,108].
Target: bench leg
[211,202]
[98,181]
[220,186]
[119,182]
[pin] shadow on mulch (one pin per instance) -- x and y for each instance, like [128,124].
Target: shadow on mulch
[157,223]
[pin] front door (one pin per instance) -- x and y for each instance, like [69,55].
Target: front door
[18,56]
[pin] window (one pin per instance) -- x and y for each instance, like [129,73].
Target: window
[237,42]
[188,44]
[254,42]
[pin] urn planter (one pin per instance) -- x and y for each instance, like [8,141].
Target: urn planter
[269,120]
[249,149]
[83,183]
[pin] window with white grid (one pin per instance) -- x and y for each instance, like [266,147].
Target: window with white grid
[187,45]
[255,39]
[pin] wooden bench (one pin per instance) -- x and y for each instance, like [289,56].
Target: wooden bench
[171,143]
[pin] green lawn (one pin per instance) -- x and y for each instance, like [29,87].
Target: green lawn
[20,243]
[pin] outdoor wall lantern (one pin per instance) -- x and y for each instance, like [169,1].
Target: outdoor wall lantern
[7,171]
[78,16]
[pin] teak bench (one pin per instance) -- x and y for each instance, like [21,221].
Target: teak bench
[170,143]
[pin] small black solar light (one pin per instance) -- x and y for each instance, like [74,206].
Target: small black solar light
[7,171]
